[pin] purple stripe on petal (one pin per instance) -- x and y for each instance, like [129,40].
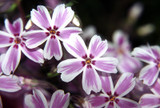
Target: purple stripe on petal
[107,83]
[149,74]
[11,60]
[53,48]
[155,88]
[35,54]
[156,51]
[66,32]
[41,17]
[91,80]
[127,103]
[69,68]
[59,99]
[143,54]
[97,47]
[16,28]
[5,39]
[124,84]
[76,47]
[9,83]
[35,38]
[62,16]
[150,101]
[98,101]
[129,64]
[106,64]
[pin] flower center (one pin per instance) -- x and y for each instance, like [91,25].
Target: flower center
[88,61]
[112,98]
[17,40]
[52,31]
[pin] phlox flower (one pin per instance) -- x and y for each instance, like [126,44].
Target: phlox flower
[87,61]
[151,100]
[151,56]
[9,83]
[38,100]
[53,30]
[113,97]
[13,38]
[121,48]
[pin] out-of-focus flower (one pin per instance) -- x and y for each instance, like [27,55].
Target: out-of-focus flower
[38,100]
[145,29]
[151,100]
[121,48]
[9,83]
[151,56]
[87,60]
[52,31]
[113,97]
[13,39]
[89,32]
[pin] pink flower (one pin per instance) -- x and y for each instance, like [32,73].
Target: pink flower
[121,49]
[53,30]
[150,55]
[87,60]
[13,38]
[113,97]
[151,100]
[9,83]
[38,100]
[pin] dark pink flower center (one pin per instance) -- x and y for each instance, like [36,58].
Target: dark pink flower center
[53,32]
[88,61]
[112,98]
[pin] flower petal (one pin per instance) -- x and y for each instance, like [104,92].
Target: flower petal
[35,38]
[97,101]
[127,103]
[11,60]
[149,101]
[91,80]
[156,51]
[1,60]
[149,74]
[97,47]
[76,47]
[129,64]
[124,84]
[15,28]
[155,88]
[143,54]
[107,83]
[120,40]
[5,39]
[65,33]
[9,83]
[62,16]
[35,54]
[69,68]
[59,99]
[53,48]
[41,17]
[106,64]
[37,100]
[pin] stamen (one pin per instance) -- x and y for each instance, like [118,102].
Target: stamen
[88,61]
[112,98]
[52,31]
[17,40]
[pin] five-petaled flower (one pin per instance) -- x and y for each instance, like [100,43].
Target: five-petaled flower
[87,61]
[52,31]
[113,97]
[38,100]
[150,55]
[121,48]
[151,100]
[13,38]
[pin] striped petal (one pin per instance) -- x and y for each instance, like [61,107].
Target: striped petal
[155,88]
[11,59]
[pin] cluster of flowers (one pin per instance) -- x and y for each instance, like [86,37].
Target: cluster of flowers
[98,62]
